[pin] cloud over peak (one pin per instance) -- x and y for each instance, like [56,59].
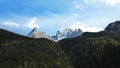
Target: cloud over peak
[85,27]
[32,23]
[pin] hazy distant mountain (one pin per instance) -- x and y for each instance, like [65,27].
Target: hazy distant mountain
[66,33]
[36,34]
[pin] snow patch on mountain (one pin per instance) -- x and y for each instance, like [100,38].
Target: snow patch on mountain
[66,33]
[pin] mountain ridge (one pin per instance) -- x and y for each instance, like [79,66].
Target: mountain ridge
[66,33]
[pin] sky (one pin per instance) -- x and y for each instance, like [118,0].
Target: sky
[21,16]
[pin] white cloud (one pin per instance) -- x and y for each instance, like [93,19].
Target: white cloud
[32,23]
[88,1]
[86,28]
[112,2]
[8,23]
[77,6]
[107,2]
[76,15]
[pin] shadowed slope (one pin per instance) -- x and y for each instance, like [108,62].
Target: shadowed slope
[17,51]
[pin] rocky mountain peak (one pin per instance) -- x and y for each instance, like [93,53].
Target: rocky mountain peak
[66,33]
[36,34]
[113,27]
[35,29]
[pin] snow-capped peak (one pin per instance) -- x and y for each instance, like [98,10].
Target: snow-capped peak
[66,33]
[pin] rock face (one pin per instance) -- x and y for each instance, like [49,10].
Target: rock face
[66,33]
[36,34]
[113,28]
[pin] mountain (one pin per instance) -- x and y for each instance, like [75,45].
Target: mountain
[17,51]
[113,28]
[66,33]
[94,49]
[90,50]
[36,34]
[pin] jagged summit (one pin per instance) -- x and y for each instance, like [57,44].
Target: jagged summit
[35,29]
[66,33]
[36,34]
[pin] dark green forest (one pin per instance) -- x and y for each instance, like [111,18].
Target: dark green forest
[18,51]
[93,50]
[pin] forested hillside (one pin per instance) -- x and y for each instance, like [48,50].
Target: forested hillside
[17,51]
[93,50]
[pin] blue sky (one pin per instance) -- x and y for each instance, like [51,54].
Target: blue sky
[21,16]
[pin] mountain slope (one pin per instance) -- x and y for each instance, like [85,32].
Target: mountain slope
[66,33]
[94,50]
[113,28]
[17,51]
